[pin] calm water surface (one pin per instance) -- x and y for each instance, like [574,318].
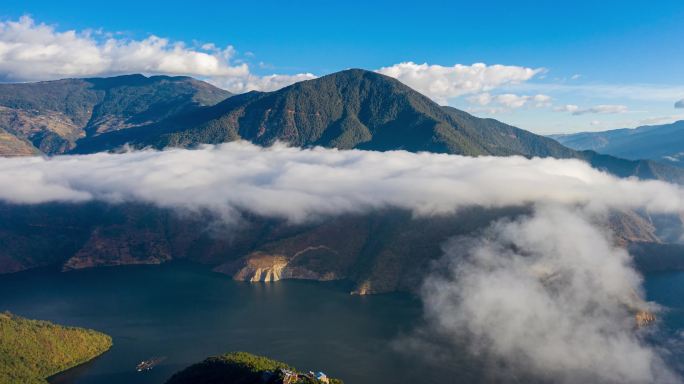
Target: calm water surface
[185,313]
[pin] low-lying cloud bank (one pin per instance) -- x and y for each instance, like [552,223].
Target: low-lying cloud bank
[549,294]
[298,184]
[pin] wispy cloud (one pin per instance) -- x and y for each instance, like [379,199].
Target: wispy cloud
[634,92]
[602,109]
[598,109]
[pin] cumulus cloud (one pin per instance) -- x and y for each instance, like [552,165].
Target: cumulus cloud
[445,82]
[679,104]
[533,295]
[35,51]
[250,82]
[509,101]
[549,294]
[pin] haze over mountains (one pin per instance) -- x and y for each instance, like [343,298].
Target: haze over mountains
[662,143]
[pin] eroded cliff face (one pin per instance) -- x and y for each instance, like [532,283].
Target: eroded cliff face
[258,267]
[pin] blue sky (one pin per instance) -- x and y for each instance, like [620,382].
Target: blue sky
[602,64]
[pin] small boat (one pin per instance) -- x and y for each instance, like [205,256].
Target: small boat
[148,364]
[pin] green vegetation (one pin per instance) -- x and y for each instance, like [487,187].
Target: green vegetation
[241,368]
[356,109]
[32,350]
[348,109]
[50,116]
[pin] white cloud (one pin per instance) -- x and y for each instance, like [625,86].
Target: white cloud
[542,100]
[445,82]
[509,101]
[575,76]
[35,51]
[660,120]
[639,92]
[602,109]
[598,109]
[277,181]
[679,104]
[567,108]
[240,84]
[527,292]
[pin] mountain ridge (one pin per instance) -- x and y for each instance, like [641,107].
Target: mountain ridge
[358,109]
[663,143]
[348,109]
[354,108]
[50,116]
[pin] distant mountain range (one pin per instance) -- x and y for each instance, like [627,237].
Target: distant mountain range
[662,143]
[349,109]
[49,117]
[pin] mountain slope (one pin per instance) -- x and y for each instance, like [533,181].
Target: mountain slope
[663,143]
[31,350]
[357,109]
[50,116]
[348,109]
[244,368]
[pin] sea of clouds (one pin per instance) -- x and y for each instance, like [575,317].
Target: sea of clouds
[550,294]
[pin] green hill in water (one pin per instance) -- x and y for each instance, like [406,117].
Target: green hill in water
[245,368]
[33,350]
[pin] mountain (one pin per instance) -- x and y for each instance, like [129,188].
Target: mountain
[48,117]
[245,368]
[348,109]
[357,109]
[32,350]
[662,143]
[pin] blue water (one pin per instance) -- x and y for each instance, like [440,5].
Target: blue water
[185,313]
[667,289]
